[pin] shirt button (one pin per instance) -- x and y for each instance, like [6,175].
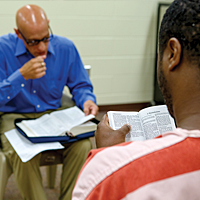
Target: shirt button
[22,85]
[38,106]
[8,97]
[34,91]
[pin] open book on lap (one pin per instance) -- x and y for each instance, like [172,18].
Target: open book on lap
[145,124]
[70,121]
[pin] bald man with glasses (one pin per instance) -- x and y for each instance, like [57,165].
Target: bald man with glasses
[35,65]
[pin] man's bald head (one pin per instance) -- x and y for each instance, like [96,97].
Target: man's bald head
[33,25]
[30,16]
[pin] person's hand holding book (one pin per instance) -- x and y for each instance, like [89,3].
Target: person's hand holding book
[105,136]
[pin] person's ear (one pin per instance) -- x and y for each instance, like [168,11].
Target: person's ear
[17,33]
[175,49]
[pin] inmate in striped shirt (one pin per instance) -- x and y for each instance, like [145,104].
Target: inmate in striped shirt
[167,167]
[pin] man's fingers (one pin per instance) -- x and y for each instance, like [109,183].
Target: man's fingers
[41,58]
[105,119]
[44,56]
[34,68]
[86,111]
[90,108]
[94,110]
[39,68]
[43,64]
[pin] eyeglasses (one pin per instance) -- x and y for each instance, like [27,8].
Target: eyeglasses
[36,42]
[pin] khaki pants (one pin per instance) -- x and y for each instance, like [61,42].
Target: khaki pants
[28,176]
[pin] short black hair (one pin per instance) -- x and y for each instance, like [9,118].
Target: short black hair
[182,21]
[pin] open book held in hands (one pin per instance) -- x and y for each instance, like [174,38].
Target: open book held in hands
[145,124]
[71,121]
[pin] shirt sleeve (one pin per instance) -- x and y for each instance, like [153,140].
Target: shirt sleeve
[10,85]
[79,82]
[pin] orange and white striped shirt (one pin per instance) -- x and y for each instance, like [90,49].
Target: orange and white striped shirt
[167,167]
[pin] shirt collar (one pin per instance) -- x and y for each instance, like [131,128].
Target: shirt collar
[51,49]
[21,49]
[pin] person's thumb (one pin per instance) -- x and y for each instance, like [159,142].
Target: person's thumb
[125,129]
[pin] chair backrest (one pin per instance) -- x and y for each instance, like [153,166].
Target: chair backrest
[88,68]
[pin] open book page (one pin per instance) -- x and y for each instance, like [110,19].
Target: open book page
[55,124]
[43,126]
[118,118]
[71,117]
[145,124]
[156,120]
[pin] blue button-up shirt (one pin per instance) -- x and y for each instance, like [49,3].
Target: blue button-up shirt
[64,67]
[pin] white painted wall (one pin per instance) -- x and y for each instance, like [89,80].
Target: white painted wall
[116,37]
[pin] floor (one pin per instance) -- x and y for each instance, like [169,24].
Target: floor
[12,192]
